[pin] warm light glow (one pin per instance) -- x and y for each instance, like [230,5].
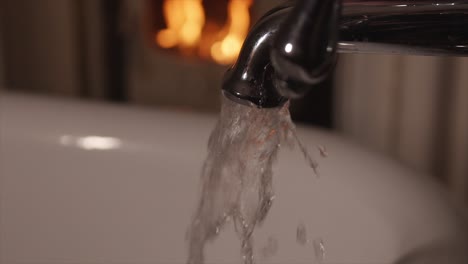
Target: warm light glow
[226,50]
[91,142]
[185,20]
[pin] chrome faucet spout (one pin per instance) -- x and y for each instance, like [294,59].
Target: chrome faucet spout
[293,47]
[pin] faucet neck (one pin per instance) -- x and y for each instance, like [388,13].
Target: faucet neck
[293,48]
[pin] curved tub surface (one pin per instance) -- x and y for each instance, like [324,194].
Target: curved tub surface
[93,183]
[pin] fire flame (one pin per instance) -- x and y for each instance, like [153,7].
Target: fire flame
[185,20]
[226,50]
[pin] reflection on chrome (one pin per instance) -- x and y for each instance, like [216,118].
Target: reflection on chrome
[90,142]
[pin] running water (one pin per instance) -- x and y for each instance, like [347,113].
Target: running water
[237,174]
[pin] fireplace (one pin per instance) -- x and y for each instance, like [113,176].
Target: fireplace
[163,53]
[178,50]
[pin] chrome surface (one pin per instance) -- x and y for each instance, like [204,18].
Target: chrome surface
[293,47]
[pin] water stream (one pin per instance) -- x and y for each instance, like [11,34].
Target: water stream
[236,179]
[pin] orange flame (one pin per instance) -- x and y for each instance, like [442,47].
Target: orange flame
[185,20]
[226,50]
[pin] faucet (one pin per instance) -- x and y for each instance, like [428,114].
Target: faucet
[294,46]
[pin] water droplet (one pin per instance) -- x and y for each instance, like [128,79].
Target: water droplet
[266,205]
[312,163]
[323,151]
[301,235]
[319,249]
[247,251]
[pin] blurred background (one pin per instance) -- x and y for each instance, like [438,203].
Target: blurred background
[173,53]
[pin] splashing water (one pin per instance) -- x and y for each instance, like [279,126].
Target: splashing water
[318,244]
[237,174]
[323,151]
[319,249]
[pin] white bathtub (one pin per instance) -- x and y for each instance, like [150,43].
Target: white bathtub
[93,183]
